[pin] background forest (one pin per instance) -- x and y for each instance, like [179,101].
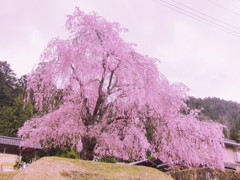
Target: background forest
[222,111]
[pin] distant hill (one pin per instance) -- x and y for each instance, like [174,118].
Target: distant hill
[56,168]
[222,111]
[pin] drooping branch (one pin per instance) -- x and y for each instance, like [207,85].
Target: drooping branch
[99,37]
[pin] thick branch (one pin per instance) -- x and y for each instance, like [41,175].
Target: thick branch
[100,99]
[111,76]
[78,80]
[85,111]
[110,82]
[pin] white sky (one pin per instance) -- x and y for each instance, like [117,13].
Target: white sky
[201,56]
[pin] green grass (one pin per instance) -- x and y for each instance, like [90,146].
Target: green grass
[55,168]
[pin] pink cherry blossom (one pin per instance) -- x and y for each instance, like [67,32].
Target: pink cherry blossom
[93,91]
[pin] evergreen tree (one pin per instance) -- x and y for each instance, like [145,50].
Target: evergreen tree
[8,85]
[13,111]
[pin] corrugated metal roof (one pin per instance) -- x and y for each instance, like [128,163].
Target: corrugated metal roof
[231,142]
[231,165]
[139,162]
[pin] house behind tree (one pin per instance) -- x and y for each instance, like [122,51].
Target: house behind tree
[11,151]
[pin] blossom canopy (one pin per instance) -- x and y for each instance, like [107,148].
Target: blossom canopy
[93,91]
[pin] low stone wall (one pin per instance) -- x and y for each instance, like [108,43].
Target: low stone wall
[205,174]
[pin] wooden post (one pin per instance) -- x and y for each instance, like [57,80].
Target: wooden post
[35,155]
[4,150]
[20,154]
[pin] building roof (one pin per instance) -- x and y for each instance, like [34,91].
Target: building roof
[231,142]
[231,165]
[157,164]
[148,163]
[14,141]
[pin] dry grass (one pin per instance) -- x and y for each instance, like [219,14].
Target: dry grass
[54,168]
[205,173]
[7,175]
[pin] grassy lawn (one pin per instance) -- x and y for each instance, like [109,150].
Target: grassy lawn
[55,168]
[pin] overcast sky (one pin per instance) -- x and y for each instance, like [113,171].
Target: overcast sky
[197,42]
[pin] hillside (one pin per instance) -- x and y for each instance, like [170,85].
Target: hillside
[222,111]
[63,168]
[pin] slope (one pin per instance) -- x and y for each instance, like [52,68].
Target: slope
[63,168]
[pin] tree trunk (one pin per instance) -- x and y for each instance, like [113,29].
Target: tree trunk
[88,145]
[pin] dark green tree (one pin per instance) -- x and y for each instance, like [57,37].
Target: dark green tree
[234,134]
[13,111]
[8,85]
